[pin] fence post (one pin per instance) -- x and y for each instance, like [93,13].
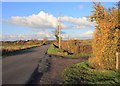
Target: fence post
[117,60]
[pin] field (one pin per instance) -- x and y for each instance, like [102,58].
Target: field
[10,48]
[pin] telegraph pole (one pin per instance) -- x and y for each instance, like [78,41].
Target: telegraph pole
[59,30]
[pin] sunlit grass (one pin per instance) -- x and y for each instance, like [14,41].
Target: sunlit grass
[82,73]
[52,49]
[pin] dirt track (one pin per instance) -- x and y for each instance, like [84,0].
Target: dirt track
[57,65]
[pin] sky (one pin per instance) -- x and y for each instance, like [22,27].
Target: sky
[37,20]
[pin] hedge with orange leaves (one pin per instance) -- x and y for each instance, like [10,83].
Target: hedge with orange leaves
[106,37]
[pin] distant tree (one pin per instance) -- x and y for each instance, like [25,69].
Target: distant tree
[106,37]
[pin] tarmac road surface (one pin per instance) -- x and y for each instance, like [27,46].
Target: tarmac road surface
[17,69]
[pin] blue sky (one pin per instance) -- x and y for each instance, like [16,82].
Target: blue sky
[30,13]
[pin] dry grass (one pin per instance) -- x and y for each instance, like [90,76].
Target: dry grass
[11,47]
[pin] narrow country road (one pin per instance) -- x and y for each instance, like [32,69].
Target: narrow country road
[18,69]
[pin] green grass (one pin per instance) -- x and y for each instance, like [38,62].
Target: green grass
[56,51]
[52,49]
[82,73]
[84,54]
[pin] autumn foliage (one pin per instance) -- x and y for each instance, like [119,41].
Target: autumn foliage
[75,47]
[106,37]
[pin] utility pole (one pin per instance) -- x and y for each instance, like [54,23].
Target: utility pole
[59,30]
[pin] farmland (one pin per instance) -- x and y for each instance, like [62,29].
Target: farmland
[9,48]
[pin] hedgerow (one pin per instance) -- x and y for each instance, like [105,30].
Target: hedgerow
[106,37]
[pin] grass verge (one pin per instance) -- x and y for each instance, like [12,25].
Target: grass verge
[52,49]
[56,51]
[82,73]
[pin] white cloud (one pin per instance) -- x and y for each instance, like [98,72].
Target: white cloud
[43,34]
[44,20]
[39,35]
[46,34]
[20,37]
[79,23]
[41,20]
[88,32]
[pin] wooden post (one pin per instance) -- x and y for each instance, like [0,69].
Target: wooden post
[117,60]
[59,29]
[59,38]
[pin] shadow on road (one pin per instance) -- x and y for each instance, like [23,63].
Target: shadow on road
[35,77]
